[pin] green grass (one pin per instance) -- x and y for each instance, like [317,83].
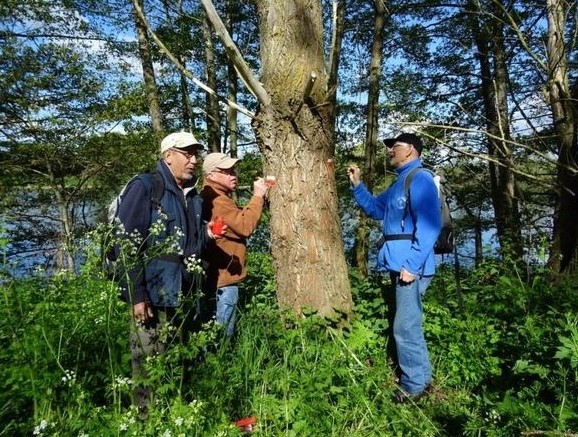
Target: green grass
[504,354]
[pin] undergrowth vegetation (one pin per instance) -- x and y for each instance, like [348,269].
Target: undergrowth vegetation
[504,349]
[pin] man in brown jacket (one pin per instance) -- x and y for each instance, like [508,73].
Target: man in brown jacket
[227,255]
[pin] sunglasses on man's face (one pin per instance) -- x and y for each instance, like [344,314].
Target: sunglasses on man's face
[229,171]
[188,155]
[398,145]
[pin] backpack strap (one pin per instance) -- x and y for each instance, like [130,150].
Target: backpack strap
[157,189]
[406,185]
[154,186]
[409,177]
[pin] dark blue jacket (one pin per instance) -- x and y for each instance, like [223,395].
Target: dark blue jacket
[423,220]
[162,279]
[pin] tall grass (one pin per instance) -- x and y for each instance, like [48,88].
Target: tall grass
[505,363]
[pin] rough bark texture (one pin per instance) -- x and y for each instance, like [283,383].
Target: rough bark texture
[296,138]
[565,239]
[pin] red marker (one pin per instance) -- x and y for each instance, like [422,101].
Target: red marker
[246,424]
[270,181]
[217,226]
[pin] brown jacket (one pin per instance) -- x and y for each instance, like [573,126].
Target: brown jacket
[227,255]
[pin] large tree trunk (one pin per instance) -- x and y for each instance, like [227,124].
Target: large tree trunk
[564,256]
[490,43]
[295,135]
[148,72]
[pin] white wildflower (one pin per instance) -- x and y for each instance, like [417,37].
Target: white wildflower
[69,377]
[193,265]
[40,427]
[121,381]
[163,215]
[157,228]
[179,421]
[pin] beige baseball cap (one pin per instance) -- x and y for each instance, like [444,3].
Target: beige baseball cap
[179,140]
[215,161]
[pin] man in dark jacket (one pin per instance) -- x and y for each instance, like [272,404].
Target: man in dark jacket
[159,282]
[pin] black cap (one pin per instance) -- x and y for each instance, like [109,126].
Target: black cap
[412,139]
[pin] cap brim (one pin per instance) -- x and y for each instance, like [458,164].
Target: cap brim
[228,163]
[388,142]
[190,146]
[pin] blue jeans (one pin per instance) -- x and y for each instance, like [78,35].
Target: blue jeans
[227,298]
[412,353]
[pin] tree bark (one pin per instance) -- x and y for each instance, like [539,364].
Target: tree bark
[362,237]
[232,124]
[213,116]
[335,55]
[564,255]
[295,134]
[488,35]
[148,71]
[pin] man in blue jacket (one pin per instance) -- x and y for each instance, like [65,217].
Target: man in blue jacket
[410,232]
[158,283]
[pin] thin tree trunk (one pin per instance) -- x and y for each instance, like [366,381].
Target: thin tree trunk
[232,124]
[335,55]
[187,110]
[148,72]
[362,237]
[213,115]
[490,43]
[564,256]
[65,256]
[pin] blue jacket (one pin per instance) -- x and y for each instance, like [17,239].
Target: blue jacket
[162,280]
[422,219]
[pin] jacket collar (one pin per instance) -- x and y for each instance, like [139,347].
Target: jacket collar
[407,167]
[218,188]
[169,179]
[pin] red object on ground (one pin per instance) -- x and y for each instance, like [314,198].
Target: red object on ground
[217,227]
[246,424]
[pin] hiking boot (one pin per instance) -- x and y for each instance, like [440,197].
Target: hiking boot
[401,397]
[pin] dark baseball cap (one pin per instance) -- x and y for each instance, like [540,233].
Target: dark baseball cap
[408,138]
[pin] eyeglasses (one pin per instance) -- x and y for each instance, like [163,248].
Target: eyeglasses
[398,145]
[187,155]
[230,171]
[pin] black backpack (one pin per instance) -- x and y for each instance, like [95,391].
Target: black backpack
[445,242]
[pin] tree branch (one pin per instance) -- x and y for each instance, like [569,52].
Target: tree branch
[336,42]
[182,68]
[245,73]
